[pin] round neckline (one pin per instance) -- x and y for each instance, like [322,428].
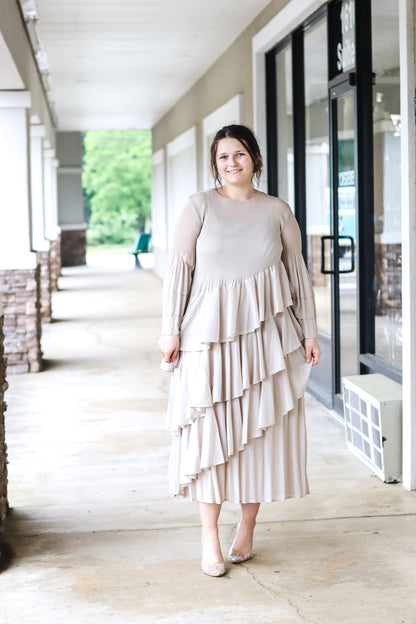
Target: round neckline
[236,201]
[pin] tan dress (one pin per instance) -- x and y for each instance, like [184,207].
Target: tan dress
[239,295]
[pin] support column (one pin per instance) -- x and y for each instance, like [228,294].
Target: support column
[52,230]
[39,243]
[71,199]
[19,272]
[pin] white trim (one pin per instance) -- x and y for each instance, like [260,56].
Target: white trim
[158,157]
[73,227]
[178,190]
[37,130]
[68,170]
[291,16]
[408,181]
[182,142]
[15,99]
[228,113]
[159,226]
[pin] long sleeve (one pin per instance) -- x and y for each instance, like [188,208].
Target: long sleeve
[178,280]
[300,282]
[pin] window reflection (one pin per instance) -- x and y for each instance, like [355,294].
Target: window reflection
[387,189]
[285,173]
[317,166]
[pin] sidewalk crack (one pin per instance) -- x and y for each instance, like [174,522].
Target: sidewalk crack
[276,594]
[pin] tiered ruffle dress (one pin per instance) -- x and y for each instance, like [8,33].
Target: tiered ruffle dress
[239,296]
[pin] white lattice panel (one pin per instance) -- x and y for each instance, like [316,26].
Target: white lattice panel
[373,423]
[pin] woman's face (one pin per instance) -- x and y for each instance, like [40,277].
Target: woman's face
[234,163]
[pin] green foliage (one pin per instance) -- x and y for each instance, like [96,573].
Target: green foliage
[117,184]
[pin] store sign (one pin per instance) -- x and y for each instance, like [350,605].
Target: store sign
[346,47]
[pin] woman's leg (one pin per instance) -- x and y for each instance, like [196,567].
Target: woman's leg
[243,541]
[209,514]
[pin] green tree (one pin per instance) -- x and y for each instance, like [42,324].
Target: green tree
[117,184]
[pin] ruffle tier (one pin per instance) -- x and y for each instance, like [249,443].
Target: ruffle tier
[270,468]
[220,310]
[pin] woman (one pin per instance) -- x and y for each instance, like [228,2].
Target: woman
[239,331]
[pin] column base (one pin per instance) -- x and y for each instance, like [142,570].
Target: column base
[45,286]
[55,262]
[20,290]
[73,247]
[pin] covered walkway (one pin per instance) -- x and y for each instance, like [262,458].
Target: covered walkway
[95,535]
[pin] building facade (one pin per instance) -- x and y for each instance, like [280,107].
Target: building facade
[329,89]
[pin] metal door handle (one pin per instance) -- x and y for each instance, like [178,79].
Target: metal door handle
[352,247]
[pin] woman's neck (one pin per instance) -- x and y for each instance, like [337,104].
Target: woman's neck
[237,193]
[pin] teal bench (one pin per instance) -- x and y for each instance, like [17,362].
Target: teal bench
[141,245]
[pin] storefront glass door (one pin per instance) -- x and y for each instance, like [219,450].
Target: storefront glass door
[343,242]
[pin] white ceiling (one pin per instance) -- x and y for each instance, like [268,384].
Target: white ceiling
[124,63]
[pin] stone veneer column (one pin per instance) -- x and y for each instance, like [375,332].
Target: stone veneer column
[55,262]
[45,286]
[71,199]
[3,448]
[20,295]
[19,270]
[73,247]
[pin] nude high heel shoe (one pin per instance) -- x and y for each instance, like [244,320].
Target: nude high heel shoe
[212,569]
[239,557]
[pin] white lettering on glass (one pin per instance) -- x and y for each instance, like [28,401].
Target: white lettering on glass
[345,55]
[346,49]
[347,16]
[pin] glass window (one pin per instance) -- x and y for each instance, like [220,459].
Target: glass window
[387,190]
[285,173]
[317,165]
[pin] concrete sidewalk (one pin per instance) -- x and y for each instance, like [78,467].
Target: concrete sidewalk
[95,535]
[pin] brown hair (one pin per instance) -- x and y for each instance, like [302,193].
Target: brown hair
[247,139]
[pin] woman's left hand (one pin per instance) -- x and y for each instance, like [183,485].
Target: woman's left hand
[312,351]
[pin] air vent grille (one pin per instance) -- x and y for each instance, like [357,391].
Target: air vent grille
[372,412]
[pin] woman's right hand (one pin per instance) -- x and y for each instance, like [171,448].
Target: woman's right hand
[169,345]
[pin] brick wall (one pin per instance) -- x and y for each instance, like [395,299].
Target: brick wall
[20,290]
[73,247]
[3,448]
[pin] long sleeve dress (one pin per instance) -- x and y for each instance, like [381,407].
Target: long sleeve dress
[238,294]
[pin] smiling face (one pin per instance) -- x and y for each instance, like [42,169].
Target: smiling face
[234,163]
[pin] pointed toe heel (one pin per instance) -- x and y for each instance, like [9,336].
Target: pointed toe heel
[235,557]
[213,569]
